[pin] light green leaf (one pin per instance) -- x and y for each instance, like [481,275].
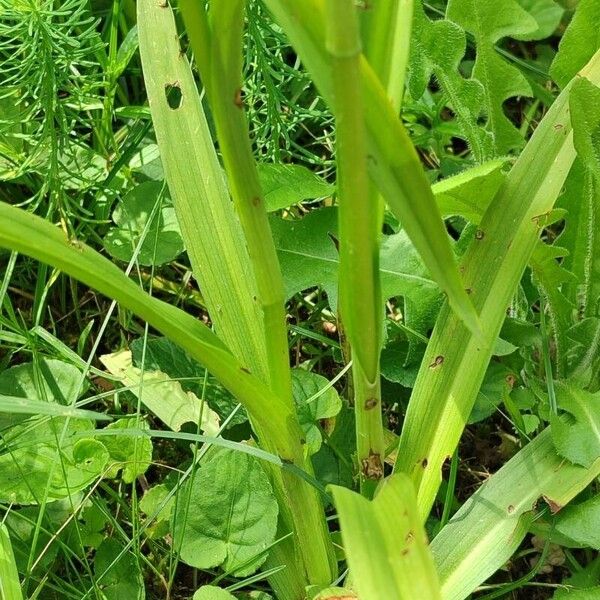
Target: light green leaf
[118,573]
[163,241]
[437,48]
[574,594]
[10,588]
[495,385]
[210,592]
[547,14]
[581,523]
[385,543]
[160,354]
[158,508]
[131,455]
[208,536]
[33,468]
[286,185]
[491,525]
[312,411]
[469,193]
[46,380]
[22,406]
[577,436]
[161,395]
[578,43]
[330,593]
[489,21]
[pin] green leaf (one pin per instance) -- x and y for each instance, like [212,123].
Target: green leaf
[547,14]
[386,561]
[495,385]
[162,242]
[161,395]
[160,354]
[581,238]
[117,572]
[286,185]
[208,536]
[490,526]
[158,508]
[578,43]
[46,380]
[308,258]
[330,593]
[489,21]
[33,468]
[577,436]
[574,594]
[314,406]
[131,455]
[583,355]
[581,523]
[10,588]
[437,48]
[469,193]
[210,592]
[22,406]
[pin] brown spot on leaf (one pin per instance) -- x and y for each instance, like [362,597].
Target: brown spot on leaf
[372,467]
[424,463]
[410,536]
[244,370]
[437,361]
[510,509]
[237,98]
[554,506]
[479,234]
[370,403]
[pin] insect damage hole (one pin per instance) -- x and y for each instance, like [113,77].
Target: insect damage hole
[173,95]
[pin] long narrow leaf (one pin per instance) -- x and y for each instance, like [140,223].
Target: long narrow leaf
[393,161]
[39,239]
[455,361]
[213,237]
[385,543]
[10,588]
[490,526]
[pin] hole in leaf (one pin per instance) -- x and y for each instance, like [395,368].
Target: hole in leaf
[173,95]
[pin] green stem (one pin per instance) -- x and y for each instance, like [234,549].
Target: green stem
[359,283]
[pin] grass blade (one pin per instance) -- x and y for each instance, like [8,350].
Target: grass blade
[25,406]
[10,588]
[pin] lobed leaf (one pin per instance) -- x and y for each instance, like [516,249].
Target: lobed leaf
[489,21]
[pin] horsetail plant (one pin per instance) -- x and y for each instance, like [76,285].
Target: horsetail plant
[357,57]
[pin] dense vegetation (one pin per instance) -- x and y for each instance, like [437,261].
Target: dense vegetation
[299,299]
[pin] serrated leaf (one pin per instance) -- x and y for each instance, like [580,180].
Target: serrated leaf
[313,411]
[33,468]
[578,43]
[549,276]
[581,523]
[162,242]
[385,543]
[211,592]
[437,48]
[208,536]
[489,21]
[469,193]
[160,354]
[576,436]
[583,355]
[161,395]
[132,455]
[118,573]
[286,185]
